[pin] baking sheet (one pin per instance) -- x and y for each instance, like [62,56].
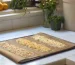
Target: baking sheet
[32,52]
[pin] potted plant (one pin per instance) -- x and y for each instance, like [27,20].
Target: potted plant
[18,4]
[55,22]
[49,7]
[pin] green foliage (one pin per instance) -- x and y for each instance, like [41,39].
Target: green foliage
[18,4]
[49,8]
[49,5]
[55,22]
[56,19]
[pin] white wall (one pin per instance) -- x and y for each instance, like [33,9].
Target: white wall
[69,14]
[60,7]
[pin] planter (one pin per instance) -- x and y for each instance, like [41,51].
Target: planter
[55,25]
[56,21]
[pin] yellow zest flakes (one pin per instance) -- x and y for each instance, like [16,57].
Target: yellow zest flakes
[16,50]
[51,42]
[33,45]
